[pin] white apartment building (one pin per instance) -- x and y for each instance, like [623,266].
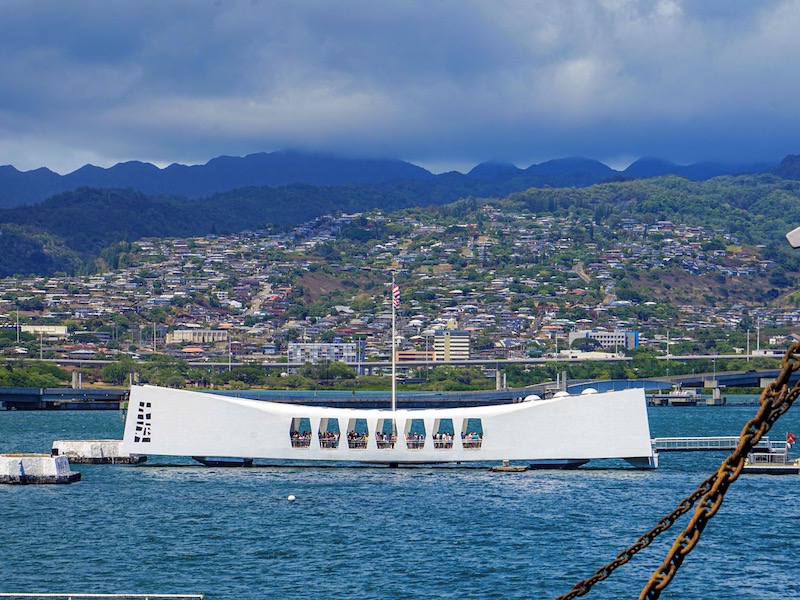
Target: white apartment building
[321,352]
[451,344]
[197,336]
[48,332]
[618,338]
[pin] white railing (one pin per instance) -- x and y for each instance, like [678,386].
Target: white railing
[699,444]
[125,596]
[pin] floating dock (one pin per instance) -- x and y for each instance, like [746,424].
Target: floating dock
[95,452]
[21,468]
[773,460]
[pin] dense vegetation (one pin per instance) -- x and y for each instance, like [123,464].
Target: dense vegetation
[177,373]
[32,374]
[755,208]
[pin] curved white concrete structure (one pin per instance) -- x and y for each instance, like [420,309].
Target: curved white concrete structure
[565,431]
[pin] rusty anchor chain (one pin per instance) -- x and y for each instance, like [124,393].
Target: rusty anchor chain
[775,400]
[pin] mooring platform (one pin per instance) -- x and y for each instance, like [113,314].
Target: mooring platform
[95,452]
[21,468]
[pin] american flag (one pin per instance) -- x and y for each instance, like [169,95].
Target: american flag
[395,295]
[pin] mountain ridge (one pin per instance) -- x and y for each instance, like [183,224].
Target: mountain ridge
[286,167]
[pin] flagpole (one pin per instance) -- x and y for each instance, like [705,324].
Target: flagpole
[394,365]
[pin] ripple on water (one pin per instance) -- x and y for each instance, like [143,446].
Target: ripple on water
[357,532]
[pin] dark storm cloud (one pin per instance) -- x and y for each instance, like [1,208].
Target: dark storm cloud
[444,83]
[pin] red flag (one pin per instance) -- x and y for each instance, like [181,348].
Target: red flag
[791,438]
[395,295]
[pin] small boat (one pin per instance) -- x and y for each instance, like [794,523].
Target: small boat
[676,397]
[775,461]
[223,461]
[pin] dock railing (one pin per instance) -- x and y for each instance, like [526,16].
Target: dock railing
[89,596]
[702,444]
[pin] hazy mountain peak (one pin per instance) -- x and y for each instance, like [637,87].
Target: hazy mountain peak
[573,164]
[492,169]
[789,167]
[651,167]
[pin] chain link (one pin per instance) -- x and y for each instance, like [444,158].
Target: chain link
[775,400]
[582,587]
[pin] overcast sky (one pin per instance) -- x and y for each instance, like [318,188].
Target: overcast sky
[441,83]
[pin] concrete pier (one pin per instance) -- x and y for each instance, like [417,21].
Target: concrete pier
[23,468]
[95,452]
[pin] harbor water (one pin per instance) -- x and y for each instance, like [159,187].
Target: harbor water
[172,526]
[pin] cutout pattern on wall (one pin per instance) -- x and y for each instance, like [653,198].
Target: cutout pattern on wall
[143,423]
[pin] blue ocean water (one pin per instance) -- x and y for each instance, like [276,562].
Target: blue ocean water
[170,526]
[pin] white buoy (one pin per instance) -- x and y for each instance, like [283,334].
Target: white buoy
[291,498]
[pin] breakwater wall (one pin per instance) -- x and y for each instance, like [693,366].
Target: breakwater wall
[62,398]
[95,452]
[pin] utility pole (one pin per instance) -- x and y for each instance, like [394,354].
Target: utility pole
[748,345]
[358,357]
[758,334]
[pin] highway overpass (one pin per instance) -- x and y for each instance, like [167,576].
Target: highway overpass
[385,364]
[752,378]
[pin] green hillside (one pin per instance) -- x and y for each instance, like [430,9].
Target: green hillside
[68,232]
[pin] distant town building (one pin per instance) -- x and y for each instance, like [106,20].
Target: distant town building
[197,336]
[768,352]
[618,338]
[48,332]
[321,352]
[451,344]
[415,355]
